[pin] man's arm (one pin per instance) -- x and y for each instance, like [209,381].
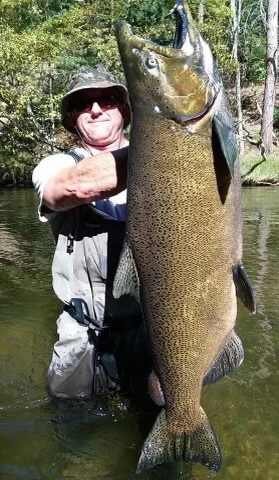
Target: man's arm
[93,178]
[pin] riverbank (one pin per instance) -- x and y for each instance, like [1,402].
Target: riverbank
[255,170]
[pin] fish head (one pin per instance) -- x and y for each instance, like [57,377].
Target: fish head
[179,82]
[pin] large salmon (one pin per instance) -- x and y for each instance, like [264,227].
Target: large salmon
[182,257]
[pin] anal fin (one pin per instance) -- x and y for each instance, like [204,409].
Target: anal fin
[229,359]
[155,390]
[244,288]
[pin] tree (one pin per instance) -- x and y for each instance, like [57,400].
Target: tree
[271,76]
[252,37]
[44,41]
[236,7]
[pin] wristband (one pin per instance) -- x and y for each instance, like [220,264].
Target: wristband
[121,160]
[121,154]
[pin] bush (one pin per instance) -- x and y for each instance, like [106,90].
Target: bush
[276,118]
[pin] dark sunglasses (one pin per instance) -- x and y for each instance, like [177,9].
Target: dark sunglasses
[106,102]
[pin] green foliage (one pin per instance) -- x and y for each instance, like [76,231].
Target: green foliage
[35,65]
[276,118]
[253,60]
[146,14]
[21,14]
[214,29]
[16,170]
[252,49]
[44,41]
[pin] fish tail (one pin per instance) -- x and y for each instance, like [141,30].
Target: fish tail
[161,446]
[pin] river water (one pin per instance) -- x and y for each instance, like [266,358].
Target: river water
[46,439]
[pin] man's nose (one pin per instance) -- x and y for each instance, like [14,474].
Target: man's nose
[96,109]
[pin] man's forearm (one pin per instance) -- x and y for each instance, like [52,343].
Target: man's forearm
[93,178]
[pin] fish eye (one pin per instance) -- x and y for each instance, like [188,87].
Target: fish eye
[151,62]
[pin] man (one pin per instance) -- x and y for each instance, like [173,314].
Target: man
[101,342]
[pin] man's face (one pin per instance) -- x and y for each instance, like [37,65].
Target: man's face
[97,116]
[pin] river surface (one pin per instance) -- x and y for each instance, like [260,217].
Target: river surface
[46,439]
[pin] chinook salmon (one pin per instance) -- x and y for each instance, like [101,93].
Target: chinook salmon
[182,256]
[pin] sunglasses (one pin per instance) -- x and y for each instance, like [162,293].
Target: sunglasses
[105,102]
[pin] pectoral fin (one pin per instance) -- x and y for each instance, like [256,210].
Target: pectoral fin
[223,128]
[244,289]
[230,358]
[126,279]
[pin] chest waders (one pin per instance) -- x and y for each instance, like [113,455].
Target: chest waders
[85,261]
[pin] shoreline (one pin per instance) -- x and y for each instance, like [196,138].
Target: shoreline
[257,171]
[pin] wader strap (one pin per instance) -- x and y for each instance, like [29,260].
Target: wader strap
[105,377]
[75,228]
[78,309]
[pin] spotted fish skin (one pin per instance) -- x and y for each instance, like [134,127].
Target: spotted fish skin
[184,234]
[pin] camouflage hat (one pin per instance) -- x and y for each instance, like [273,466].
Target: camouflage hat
[90,78]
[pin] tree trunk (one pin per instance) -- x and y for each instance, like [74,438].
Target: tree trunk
[201,12]
[236,8]
[52,134]
[271,76]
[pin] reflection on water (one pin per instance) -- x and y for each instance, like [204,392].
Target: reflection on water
[43,438]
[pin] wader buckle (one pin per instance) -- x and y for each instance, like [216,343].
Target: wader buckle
[78,309]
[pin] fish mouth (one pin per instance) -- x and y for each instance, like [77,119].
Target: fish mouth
[182,25]
[124,32]
[186,39]
[185,31]
[189,78]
